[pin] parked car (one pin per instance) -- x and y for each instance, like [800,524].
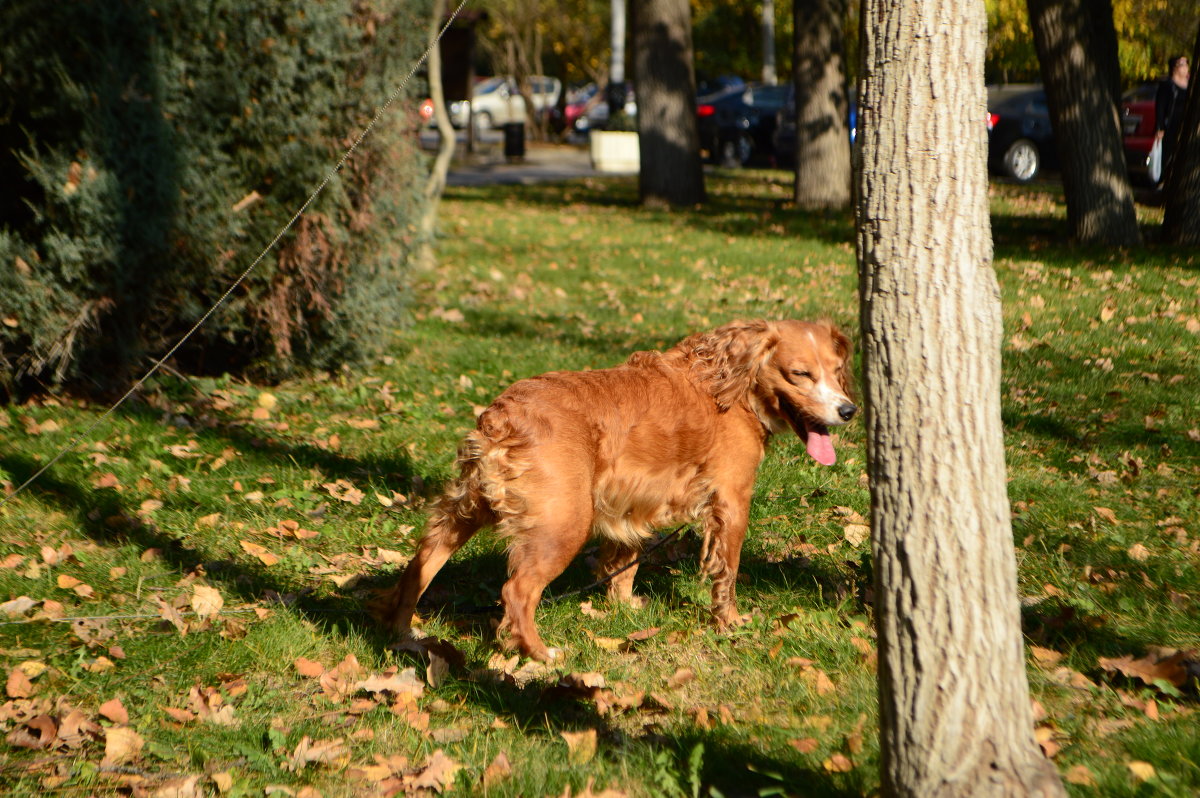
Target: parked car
[736,125]
[1020,136]
[1137,127]
[594,115]
[496,101]
[784,139]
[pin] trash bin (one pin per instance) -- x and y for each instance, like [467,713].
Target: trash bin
[514,141]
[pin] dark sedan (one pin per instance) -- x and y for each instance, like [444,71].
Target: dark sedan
[736,125]
[1020,137]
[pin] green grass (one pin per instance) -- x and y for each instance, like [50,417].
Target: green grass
[1100,385]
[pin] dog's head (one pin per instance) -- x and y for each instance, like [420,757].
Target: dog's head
[793,374]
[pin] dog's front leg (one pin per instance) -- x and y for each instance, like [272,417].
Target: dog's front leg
[724,531]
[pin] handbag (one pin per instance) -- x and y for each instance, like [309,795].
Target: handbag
[1154,161]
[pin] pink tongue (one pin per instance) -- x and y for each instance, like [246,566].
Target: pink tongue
[820,447]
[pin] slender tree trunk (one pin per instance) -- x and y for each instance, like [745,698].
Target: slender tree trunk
[822,133]
[1181,217]
[669,142]
[1074,45]
[769,75]
[436,184]
[954,701]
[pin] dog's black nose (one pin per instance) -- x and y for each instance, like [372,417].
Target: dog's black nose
[847,411]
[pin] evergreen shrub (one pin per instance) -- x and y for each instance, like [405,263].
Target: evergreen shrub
[150,149]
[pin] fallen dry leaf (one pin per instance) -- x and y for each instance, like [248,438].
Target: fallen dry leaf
[681,677]
[121,744]
[19,685]
[1172,668]
[325,752]
[261,552]
[307,668]
[38,732]
[838,763]
[438,773]
[581,746]
[115,711]
[206,601]
[1079,774]
[498,771]
[805,746]
[1142,771]
[856,534]
[181,715]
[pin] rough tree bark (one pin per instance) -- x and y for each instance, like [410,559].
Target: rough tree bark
[436,184]
[1076,51]
[669,142]
[822,135]
[955,711]
[1181,217]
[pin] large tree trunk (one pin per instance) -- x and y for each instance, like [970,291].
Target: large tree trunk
[954,701]
[1181,217]
[1076,48]
[671,172]
[435,185]
[822,133]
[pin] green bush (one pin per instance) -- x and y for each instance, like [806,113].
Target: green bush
[150,149]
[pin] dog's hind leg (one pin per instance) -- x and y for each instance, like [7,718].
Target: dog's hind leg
[445,534]
[537,554]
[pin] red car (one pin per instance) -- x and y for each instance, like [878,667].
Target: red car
[1137,126]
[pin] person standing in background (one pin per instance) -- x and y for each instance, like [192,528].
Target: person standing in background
[1169,103]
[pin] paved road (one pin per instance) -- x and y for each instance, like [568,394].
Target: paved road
[488,166]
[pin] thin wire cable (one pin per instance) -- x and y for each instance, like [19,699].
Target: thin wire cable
[86,434]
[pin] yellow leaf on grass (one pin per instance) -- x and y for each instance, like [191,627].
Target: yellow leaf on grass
[206,601]
[1142,771]
[261,552]
[581,746]
[68,582]
[857,534]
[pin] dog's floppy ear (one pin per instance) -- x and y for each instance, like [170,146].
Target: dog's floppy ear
[727,360]
[845,351]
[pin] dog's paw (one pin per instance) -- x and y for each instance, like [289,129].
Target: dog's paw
[554,654]
[731,619]
[633,601]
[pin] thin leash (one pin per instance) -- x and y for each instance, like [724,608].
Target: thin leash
[674,533]
[87,433]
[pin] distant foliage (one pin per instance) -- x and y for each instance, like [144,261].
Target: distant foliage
[1148,33]
[150,149]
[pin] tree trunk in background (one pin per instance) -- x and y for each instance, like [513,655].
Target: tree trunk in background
[1181,217]
[955,712]
[436,184]
[822,132]
[1074,50]
[669,143]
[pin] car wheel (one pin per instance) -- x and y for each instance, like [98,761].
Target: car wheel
[736,152]
[1022,160]
[483,121]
